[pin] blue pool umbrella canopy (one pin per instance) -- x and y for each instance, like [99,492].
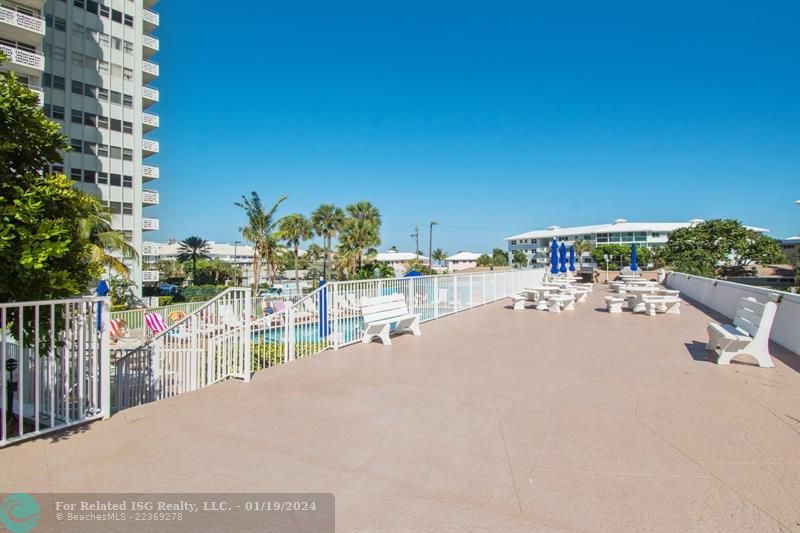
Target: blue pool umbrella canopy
[554,258]
[563,251]
[411,274]
[634,266]
[572,259]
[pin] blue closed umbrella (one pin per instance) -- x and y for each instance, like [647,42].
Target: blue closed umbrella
[412,274]
[324,327]
[554,258]
[572,259]
[634,266]
[563,251]
[102,290]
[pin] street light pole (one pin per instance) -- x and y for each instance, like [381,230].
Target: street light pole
[430,246]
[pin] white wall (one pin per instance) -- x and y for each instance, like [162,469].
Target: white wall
[724,296]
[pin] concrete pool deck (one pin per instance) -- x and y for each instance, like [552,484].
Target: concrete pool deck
[492,420]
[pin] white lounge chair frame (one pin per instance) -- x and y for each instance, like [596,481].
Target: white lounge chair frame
[382,311]
[748,335]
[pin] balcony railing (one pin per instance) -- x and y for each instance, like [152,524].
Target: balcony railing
[150,197]
[148,93]
[150,42]
[23,57]
[21,20]
[148,67]
[150,276]
[149,172]
[149,224]
[150,248]
[149,145]
[148,119]
[150,17]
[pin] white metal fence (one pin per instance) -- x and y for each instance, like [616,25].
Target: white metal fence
[724,296]
[134,318]
[55,364]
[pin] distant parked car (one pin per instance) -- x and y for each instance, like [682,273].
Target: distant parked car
[168,289]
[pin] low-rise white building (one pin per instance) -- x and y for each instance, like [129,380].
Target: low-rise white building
[536,244]
[461,261]
[399,261]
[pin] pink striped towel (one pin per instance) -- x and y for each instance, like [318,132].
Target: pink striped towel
[155,322]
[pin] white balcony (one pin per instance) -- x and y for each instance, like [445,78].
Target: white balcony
[149,71]
[149,147]
[150,45]
[149,276]
[150,248]
[149,173]
[150,197]
[23,61]
[149,224]
[19,25]
[149,121]
[149,96]
[150,19]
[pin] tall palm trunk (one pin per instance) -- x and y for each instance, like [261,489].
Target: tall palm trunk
[296,277]
[256,272]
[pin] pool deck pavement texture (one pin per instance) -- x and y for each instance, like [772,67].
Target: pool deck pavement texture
[492,420]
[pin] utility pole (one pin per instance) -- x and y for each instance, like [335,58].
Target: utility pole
[235,275]
[415,236]
[430,247]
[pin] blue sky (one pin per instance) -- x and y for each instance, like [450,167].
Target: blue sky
[492,118]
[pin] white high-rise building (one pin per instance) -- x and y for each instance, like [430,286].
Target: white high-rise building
[92,63]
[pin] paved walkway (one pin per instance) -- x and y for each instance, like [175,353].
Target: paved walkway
[493,420]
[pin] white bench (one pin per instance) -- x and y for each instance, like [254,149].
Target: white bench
[382,311]
[748,335]
[668,304]
[557,302]
[614,304]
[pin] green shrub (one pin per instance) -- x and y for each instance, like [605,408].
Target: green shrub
[164,300]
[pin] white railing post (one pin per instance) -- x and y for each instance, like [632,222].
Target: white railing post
[484,296]
[455,293]
[334,301]
[105,360]
[155,371]
[436,297]
[247,335]
[471,295]
[290,334]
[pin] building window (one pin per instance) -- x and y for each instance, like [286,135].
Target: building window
[127,127]
[77,87]
[104,67]
[102,122]
[47,80]
[128,47]
[77,31]
[105,40]
[59,82]
[115,208]
[89,119]
[127,100]
[80,4]
[104,11]
[127,208]
[77,145]
[60,24]
[102,94]
[129,20]
[75,174]
[59,53]
[57,169]
[77,59]
[102,177]
[89,176]
[116,180]
[127,74]
[77,116]
[115,152]
[48,20]
[116,97]
[58,112]
[116,124]
[116,16]
[127,154]
[88,148]
[91,6]
[127,181]
[102,151]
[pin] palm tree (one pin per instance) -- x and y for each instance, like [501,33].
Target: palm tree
[439,255]
[362,230]
[104,241]
[193,248]
[327,221]
[293,229]
[582,245]
[260,230]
